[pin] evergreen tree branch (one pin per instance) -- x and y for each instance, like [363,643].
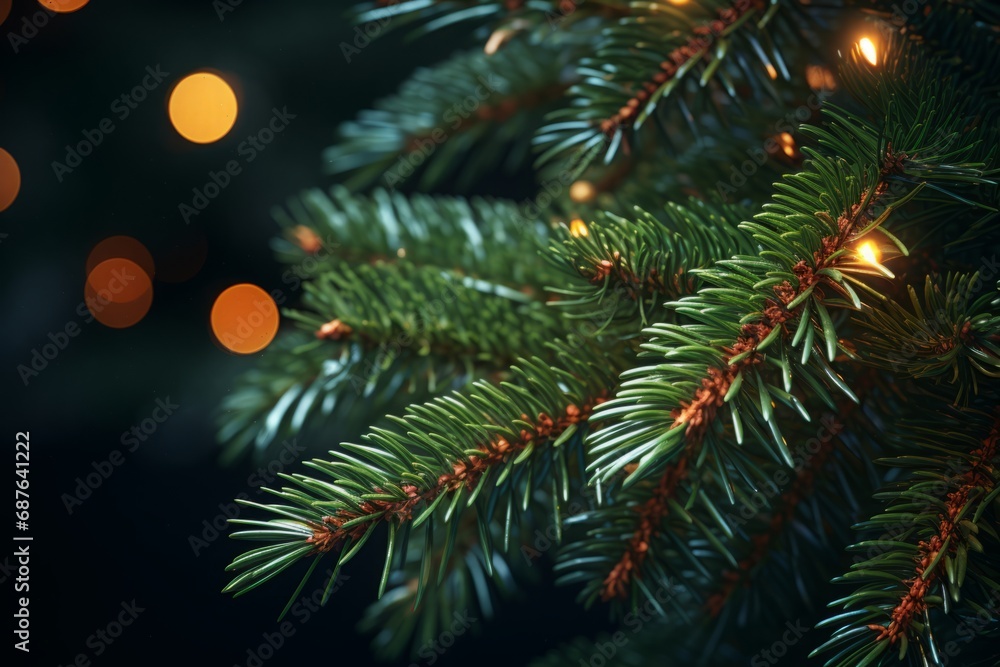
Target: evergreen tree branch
[444,454]
[457,121]
[484,239]
[646,60]
[925,568]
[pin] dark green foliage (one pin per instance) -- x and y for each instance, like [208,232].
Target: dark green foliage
[730,387]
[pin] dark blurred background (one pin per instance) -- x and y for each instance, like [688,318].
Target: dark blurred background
[143,534]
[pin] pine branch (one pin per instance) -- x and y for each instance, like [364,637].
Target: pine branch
[535,17]
[945,337]
[382,336]
[484,239]
[629,267]
[945,510]
[457,121]
[810,238]
[647,59]
[488,447]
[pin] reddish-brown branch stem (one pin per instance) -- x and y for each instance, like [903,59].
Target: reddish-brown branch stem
[498,112]
[698,414]
[330,534]
[651,516]
[696,46]
[947,535]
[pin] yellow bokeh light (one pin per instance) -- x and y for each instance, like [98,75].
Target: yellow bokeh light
[244,319]
[202,107]
[63,6]
[771,72]
[869,252]
[787,142]
[10,179]
[582,191]
[578,228]
[868,50]
[678,2]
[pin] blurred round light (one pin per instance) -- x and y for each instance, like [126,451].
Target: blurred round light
[122,247]
[63,6]
[582,191]
[10,179]
[244,319]
[5,6]
[202,107]
[118,293]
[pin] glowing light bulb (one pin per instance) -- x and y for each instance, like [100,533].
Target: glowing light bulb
[869,252]
[578,228]
[582,191]
[868,50]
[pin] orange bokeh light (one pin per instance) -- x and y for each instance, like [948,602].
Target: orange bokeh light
[63,6]
[123,247]
[118,292]
[244,319]
[202,107]
[5,6]
[10,179]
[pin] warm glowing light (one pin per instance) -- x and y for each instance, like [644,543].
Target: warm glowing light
[868,50]
[869,252]
[498,39]
[582,191]
[244,319]
[787,142]
[308,240]
[5,6]
[10,179]
[121,247]
[678,2]
[63,6]
[118,292]
[820,78]
[202,107]
[578,228]
[771,72]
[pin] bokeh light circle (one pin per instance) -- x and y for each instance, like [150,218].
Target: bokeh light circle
[124,247]
[10,179]
[63,6]
[202,107]
[5,6]
[118,292]
[244,319]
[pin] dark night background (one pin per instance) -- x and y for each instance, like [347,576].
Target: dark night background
[130,538]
